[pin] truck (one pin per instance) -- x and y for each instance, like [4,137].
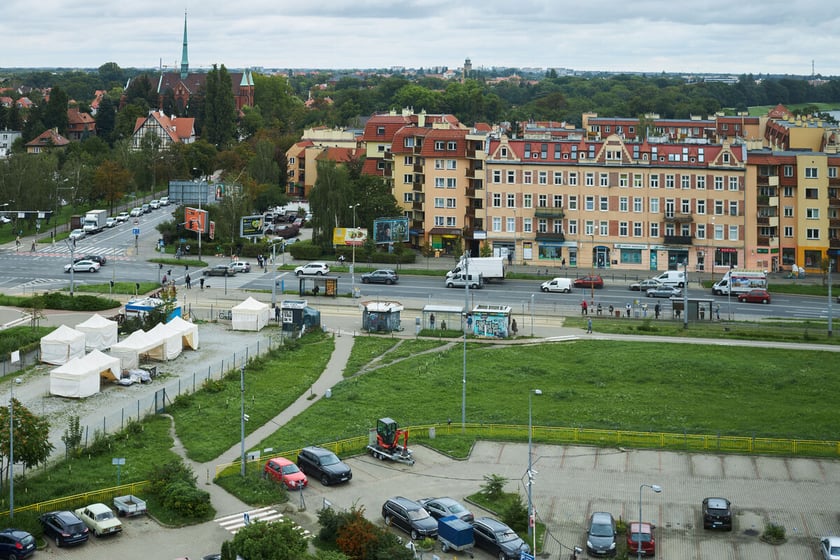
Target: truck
[94,221]
[490,268]
[384,442]
[739,282]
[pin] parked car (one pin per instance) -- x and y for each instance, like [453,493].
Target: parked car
[164,201]
[381,276]
[324,465]
[317,268]
[111,222]
[122,217]
[284,471]
[755,296]
[717,514]
[16,544]
[591,281]
[219,270]
[830,548]
[83,266]
[409,516]
[77,235]
[95,258]
[146,208]
[663,291]
[641,533]
[557,285]
[444,507]
[498,539]
[645,285]
[136,212]
[64,528]
[240,266]
[600,534]
[5,219]
[100,519]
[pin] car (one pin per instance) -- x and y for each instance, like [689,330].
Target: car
[830,548]
[77,235]
[83,265]
[111,222]
[146,208]
[498,539]
[641,532]
[100,519]
[755,296]
[154,204]
[5,219]
[663,291]
[164,201]
[317,268]
[591,281]
[645,285]
[444,507]
[219,270]
[16,544]
[381,276]
[282,470]
[122,217]
[600,534]
[717,514]
[136,212]
[324,465]
[64,528]
[557,285]
[409,516]
[240,266]
[95,258]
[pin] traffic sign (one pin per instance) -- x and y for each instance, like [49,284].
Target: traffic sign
[135,231]
[525,556]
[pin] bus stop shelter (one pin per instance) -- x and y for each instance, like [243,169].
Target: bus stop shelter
[318,286]
[699,309]
[443,316]
[381,316]
[491,321]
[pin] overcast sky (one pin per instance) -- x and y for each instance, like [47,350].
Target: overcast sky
[718,36]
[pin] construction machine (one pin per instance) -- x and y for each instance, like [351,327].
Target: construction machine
[384,442]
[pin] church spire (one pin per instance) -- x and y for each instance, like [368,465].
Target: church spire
[185,63]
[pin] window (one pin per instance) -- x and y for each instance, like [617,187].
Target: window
[604,179]
[718,183]
[558,226]
[497,200]
[408,142]
[573,179]
[497,176]
[733,233]
[654,229]
[637,181]
[380,130]
[725,157]
[573,227]
[669,181]
[685,205]
[439,183]
[589,203]
[558,177]
[654,181]
[654,205]
[811,173]
[685,182]
[812,194]
[623,180]
[408,178]
[718,207]
[503,152]
[832,172]
[439,221]
[701,206]
[408,197]
[439,202]
[452,164]
[542,225]
[497,223]
[701,231]
[527,225]
[603,228]
[733,207]
[638,229]
[718,232]
[558,201]
[438,164]
[511,200]
[590,179]
[511,176]
[510,224]
[589,228]
[451,221]
[788,211]
[604,204]
[622,229]
[542,200]
[452,203]
[528,177]
[812,213]
[701,182]
[573,202]
[408,160]
[543,151]
[542,177]
[292,160]
[623,204]
[787,192]
[788,231]
[788,170]
[527,200]
[451,182]
[734,183]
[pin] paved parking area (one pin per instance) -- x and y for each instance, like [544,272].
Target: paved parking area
[572,482]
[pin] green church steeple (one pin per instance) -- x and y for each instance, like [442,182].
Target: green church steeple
[185,63]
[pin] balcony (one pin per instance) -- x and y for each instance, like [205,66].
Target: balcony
[678,240]
[763,220]
[679,218]
[763,241]
[546,212]
[417,186]
[418,168]
[768,181]
[417,205]
[834,222]
[834,242]
[834,202]
[550,236]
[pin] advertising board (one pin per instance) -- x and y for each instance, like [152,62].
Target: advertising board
[350,236]
[389,230]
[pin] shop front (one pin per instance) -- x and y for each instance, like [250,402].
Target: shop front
[556,252]
[445,240]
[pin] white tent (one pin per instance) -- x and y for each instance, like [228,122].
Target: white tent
[171,347]
[80,376]
[100,333]
[188,331]
[62,345]
[250,315]
[129,350]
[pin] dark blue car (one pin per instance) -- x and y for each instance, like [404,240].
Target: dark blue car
[64,528]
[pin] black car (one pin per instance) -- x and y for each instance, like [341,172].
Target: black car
[16,544]
[95,258]
[324,465]
[64,527]
[382,276]
[600,534]
[498,539]
[444,507]
[409,516]
[717,514]
[219,270]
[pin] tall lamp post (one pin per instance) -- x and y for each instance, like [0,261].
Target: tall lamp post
[242,416]
[353,264]
[656,488]
[830,266]
[532,518]
[464,375]
[12,447]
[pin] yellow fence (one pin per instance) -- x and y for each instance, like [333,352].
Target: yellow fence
[80,500]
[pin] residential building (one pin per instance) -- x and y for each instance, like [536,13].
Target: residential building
[48,140]
[7,139]
[169,130]
[301,158]
[79,125]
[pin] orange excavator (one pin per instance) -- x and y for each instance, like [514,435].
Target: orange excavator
[384,442]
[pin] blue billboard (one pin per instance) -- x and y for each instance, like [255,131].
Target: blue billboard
[390,230]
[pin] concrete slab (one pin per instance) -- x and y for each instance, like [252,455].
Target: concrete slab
[707,466]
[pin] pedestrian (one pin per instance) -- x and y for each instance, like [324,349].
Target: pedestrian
[341,260]
[163,280]
[644,310]
[563,263]
[513,327]
[277,313]
[201,283]
[657,309]
[188,281]
[432,321]
[627,308]
[17,243]
[600,309]
[589,325]
[469,321]
[717,312]
[611,309]
[584,308]
[32,249]
[510,258]
[443,325]
[315,290]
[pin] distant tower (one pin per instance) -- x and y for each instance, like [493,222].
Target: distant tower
[185,63]
[467,69]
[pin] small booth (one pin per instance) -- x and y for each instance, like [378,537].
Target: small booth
[318,286]
[187,330]
[80,377]
[490,321]
[381,316]
[443,317]
[172,343]
[62,345]
[297,315]
[699,309]
[100,333]
[142,306]
[250,315]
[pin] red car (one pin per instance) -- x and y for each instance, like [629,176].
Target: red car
[591,281]
[283,470]
[640,531]
[755,296]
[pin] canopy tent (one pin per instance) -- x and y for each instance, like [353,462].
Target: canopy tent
[250,315]
[171,347]
[80,376]
[62,345]
[100,333]
[188,331]
[129,350]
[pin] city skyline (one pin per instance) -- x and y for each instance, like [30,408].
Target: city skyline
[651,36]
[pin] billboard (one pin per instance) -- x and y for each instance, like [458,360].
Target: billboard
[349,236]
[251,226]
[195,219]
[389,230]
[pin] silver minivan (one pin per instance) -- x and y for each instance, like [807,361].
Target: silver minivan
[476,281]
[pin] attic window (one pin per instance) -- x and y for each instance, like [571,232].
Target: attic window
[380,130]
[503,152]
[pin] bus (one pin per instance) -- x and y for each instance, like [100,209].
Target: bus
[739,281]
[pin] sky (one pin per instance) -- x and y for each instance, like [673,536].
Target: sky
[684,36]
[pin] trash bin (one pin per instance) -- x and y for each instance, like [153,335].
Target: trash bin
[618,314]
[328,393]
[437,254]
[432,432]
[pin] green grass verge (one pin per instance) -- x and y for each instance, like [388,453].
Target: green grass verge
[59,300]
[126,288]
[365,350]
[253,489]
[175,263]
[23,338]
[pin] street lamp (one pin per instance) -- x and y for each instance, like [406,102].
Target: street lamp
[532,529]
[656,488]
[353,245]
[242,416]
[12,447]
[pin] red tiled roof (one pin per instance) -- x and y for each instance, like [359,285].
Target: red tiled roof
[48,138]
[178,129]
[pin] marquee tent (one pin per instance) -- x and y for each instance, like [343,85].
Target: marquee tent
[189,332]
[250,315]
[80,376]
[171,347]
[62,345]
[139,343]
[100,333]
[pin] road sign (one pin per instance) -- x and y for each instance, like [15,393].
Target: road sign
[135,231]
[525,556]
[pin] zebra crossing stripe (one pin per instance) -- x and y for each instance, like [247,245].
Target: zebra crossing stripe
[232,523]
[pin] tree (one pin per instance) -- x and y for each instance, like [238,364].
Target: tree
[263,168]
[110,182]
[32,445]
[279,540]
[219,109]
[330,201]
[55,115]
[106,119]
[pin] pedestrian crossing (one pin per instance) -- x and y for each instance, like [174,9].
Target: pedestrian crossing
[64,251]
[232,523]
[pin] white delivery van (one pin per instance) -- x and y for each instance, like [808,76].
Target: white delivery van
[672,278]
[739,282]
[476,281]
[557,285]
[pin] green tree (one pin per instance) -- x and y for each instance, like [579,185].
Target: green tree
[55,115]
[263,167]
[110,183]
[279,540]
[220,108]
[330,200]
[32,445]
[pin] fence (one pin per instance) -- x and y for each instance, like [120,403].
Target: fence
[105,496]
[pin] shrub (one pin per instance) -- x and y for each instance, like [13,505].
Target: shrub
[494,486]
[774,532]
[164,475]
[185,499]
[514,513]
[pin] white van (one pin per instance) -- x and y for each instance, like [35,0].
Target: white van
[557,285]
[672,278]
[458,280]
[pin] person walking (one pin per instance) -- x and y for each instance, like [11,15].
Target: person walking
[163,280]
[17,243]
[188,281]
[201,283]
[717,312]
[563,263]
[432,321]
[514,328]
[277,313]
[656,310]
[627,308]
[589,325]
[584,308]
